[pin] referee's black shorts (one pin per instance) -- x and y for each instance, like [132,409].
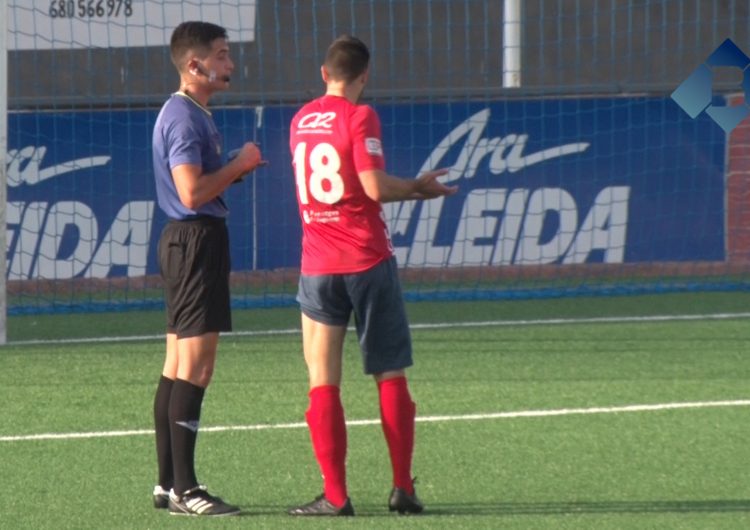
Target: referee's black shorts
[194,262]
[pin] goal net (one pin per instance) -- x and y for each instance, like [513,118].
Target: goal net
[582,176]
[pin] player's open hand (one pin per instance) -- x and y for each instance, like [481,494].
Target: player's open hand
[429,187]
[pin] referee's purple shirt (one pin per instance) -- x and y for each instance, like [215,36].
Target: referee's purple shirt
[185,133]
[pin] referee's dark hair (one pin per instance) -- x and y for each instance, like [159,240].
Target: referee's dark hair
[193,36]
[347,58]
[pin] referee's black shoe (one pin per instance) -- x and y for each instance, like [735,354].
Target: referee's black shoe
[197,501]
[161,498]
[322,506]
[403,503]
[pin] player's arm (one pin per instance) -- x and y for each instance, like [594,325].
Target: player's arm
[196,188]
[382,187]
[377,184]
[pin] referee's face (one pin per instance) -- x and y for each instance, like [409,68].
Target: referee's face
[217,67]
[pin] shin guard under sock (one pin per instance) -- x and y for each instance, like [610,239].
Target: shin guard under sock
[325,418]
[163,435]
[184,418]
[397,416]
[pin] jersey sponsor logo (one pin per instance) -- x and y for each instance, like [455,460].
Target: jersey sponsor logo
[373,146]
[326,216]
[317,120]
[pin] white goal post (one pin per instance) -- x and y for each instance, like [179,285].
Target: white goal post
[3,165]
[512,44]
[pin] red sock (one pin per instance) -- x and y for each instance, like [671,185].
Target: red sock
[397,413]
[325,417]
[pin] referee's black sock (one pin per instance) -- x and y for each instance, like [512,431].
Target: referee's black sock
[184,417]
[163,435]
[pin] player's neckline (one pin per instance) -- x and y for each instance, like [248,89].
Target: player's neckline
[186,94]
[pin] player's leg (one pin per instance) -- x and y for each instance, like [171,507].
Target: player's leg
[197,357]
[195,266]
[196,363]
[323,345]
[161,424]
[170,360]
[397,418]
[385,340]
[163,395]
[194,370]
[324,320]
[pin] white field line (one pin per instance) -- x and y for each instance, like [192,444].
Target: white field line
[420,419]
[437,325]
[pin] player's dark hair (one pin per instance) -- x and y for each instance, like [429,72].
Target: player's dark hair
[347,58]
[193,36]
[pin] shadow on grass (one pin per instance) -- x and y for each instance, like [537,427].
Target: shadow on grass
[538,508]
[584,507]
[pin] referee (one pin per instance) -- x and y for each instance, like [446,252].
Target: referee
[193,257]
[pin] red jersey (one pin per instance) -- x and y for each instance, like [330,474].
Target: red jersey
[343,230]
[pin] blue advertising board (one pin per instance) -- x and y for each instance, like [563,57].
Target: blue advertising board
[544,181]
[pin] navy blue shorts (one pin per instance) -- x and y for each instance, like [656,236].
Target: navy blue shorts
[195,263]
[375,298]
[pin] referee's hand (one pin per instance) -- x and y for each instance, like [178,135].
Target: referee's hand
[248,157]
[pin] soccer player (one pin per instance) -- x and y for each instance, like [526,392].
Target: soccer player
[348,266]
[193,257]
